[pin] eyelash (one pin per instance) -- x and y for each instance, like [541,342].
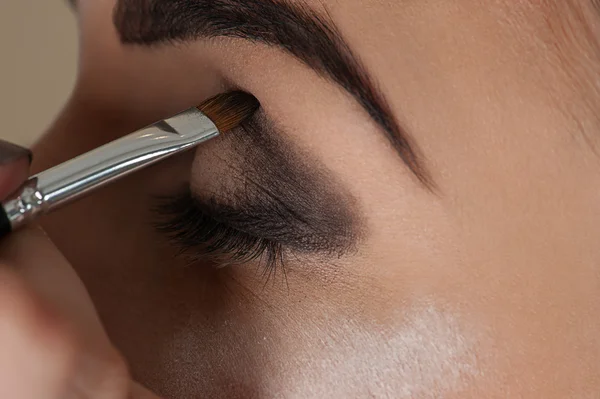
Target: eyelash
[201,237]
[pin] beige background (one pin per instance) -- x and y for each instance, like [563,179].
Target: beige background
[38,39]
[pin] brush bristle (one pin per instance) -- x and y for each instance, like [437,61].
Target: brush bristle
[228,110]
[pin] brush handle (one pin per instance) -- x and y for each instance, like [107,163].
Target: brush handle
[70,180]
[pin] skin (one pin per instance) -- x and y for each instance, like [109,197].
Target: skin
[486,286]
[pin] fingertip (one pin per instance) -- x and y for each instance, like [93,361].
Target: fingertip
[13,175]
[5,225]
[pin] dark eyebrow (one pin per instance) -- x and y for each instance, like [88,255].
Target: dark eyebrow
[297,29]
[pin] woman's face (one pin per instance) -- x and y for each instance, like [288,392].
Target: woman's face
[421,185]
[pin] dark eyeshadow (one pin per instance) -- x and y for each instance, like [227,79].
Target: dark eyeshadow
[284,194]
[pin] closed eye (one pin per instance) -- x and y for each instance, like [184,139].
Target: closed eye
[201,234]
[258,199]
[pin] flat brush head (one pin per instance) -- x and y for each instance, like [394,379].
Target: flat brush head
[228,110]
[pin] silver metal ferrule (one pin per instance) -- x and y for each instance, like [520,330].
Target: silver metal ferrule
[70,180]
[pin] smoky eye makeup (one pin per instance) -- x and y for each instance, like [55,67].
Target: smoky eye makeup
[275,201]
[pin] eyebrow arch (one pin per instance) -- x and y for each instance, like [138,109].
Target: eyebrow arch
[297,29]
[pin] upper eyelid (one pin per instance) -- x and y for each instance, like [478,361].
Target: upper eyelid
[289,194]
[312,38]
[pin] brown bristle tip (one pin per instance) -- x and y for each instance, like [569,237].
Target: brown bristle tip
[228,110]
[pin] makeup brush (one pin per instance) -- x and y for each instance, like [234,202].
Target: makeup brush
[70,180]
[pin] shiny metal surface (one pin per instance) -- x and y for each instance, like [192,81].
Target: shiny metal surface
[72,179]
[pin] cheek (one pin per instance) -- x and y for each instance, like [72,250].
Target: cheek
[424,352]
[327,337]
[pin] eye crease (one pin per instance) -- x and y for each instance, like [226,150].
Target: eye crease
[273,199]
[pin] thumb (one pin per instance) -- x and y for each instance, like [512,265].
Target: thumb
[31,257]
[101,372]
[14,167]
[37,260]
